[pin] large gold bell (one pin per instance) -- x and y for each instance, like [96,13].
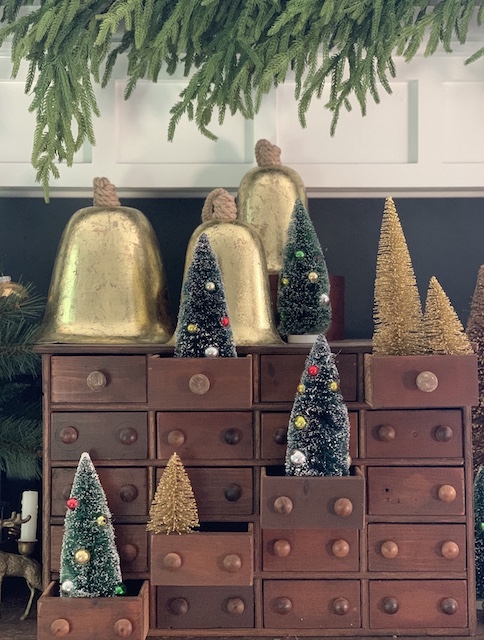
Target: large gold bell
[241,258]
[108,283]
[266,200]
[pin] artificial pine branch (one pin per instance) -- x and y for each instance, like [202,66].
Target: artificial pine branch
[233,53]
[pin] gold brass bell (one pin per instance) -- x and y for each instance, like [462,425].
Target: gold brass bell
[266,200]
[241,258]
[108,284]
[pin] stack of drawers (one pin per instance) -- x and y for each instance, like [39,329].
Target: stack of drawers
[386,550]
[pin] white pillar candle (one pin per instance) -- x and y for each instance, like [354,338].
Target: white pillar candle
[30,502]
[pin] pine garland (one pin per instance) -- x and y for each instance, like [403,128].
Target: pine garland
[233,52]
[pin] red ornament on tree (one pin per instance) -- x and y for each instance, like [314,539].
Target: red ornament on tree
[313,370]
[72,503]
[225,321]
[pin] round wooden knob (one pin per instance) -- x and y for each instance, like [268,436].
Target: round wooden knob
[128,552]
[232,436]
[96,380]
[447,493]
[450,549]
[60,628]
[128,436]
[341,606]
[176,438]
[199,384]
[282,606]
[443,433]
[283,505]
[389,549]
[343,507]
[340,548]
[172,561]
[232,563]
[128,493]
[68,435]
[390,605]
[123,627]
[427,381]
[233,492]
[178,606]
[281,548]
[386,433]
[449,606]
[235,606]
[280,435]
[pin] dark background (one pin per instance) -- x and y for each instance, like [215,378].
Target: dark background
[445,237]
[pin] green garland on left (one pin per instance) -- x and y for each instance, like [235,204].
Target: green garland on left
[233,52]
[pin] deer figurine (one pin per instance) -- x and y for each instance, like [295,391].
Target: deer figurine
[13,564]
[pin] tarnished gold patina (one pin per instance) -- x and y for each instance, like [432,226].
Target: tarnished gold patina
[108,283]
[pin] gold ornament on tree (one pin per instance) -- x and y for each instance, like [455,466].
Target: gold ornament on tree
[444,332]
[397,313]
[8,287]
[173,509]
[241,258]
[108,284]
[475,333]
[266,200]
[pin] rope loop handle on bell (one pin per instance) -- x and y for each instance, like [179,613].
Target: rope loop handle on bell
[104,193]
[267,154]
[219,205]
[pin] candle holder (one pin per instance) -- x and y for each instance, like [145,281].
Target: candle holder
[26,547]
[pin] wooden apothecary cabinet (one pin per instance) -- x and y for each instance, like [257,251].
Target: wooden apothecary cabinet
[386,551]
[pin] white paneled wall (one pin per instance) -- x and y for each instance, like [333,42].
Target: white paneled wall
[426,138]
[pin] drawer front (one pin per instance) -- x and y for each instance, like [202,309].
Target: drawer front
[413,434]
[422,491]
[105,436]
[310,550]
[292,502]
[98,379]
[418,604]
[205,436]
[125,488]
[417,547]
[274,435]
[200,383]
[204,607]
[221,491]
[312,604]
[131,542]
[217,559]
[421,381]
[280,375]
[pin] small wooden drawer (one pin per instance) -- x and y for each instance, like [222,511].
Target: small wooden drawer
[325,550]
[418,604]
[204,607]
[197,559]
[312,604]
[199,383]
[421,381]
[105,436]
[280,375]
[202,435]
[274,435]
[94,618]
[221,491]
[125,488]
[131,543]
[98,379]
[417,547]
[414,434]
[292,502]
[422,491]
